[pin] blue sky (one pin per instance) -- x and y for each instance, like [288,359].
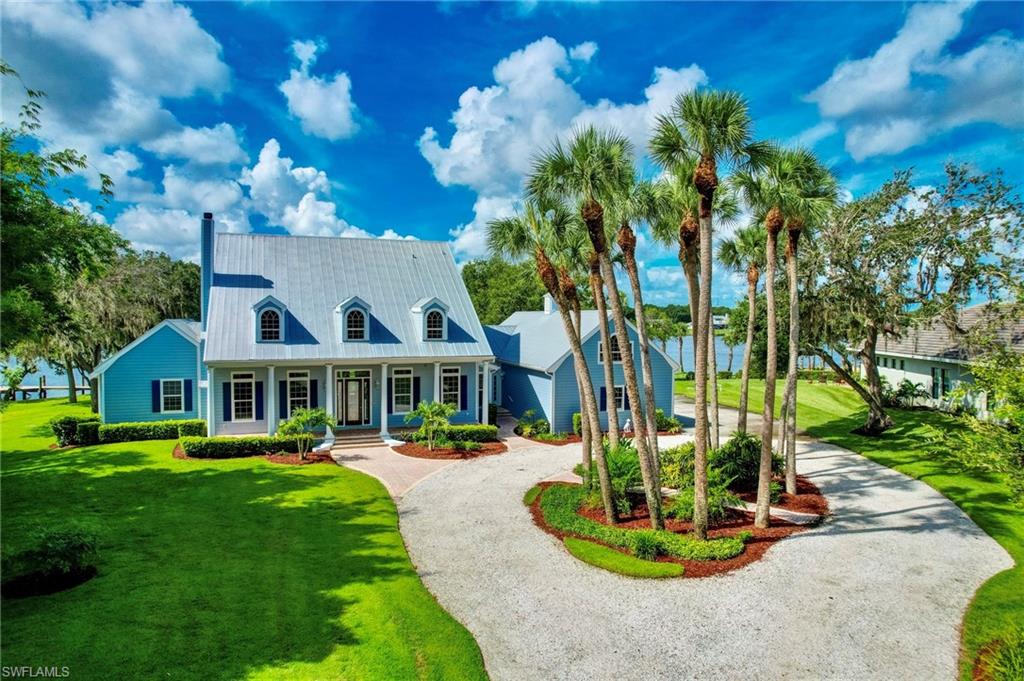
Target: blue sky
[419,120]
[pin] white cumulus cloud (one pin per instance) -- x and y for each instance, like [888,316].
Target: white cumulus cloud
[324,106]
[208,146]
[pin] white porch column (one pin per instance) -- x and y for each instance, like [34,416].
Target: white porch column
[478,370]
[271,401]
[485,412]
[329,385]
[384,400]
[437,381]
[210,397]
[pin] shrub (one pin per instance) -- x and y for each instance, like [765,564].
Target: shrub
[577,423]
[720,499]
[65,428]
[433,417]
[53,554]
[686,375]
[301,423]
[472,432]
[88,432]
[775,492]
[233,447]
[149,430]
[194,427]
[740,459]
[667,424]
[559,505]
[530,426]
[551,437]
[677,466]
[725,374]
[644,544]
[624,471]
[469,446]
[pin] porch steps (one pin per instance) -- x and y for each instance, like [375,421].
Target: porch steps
[358,439]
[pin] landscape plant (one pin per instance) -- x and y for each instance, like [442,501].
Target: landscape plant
[301,424]
[434,418]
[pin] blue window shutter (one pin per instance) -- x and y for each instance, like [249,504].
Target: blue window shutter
[188,394]
[415,391]
[259,400]
[155,389]
[391,396]
[463,389]
[314,395]
[282,399]
[227,401]
[604,399]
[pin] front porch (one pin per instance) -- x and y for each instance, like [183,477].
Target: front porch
[375,398]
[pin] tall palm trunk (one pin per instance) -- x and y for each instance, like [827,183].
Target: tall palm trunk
[705,180]
[612,409]
[680,341]
[627,244]
[585,434]
[549,278]
[593,216]
[69,369]
[794,355]
[752,276]
[689,237]
[712,380]
[773,223]
[728,368]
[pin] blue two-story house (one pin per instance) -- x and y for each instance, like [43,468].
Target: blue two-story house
[366,328]
[537,370]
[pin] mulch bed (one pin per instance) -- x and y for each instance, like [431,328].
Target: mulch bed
[808,498]
[737,522]
[419,451]
[287,459]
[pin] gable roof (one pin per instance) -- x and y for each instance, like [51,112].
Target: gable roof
[188,329]
[310,275]
[537,340]
[934,340]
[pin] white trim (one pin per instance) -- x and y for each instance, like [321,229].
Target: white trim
[926,358]
[181,395]
[458,384]
[619,404]
[618,348]
[105,364]
[352,362]
[280,325]
[394,392]
[384,400]
[339,383]
[251,381]
[210,414]
[364,327]
[568,353]
[288,378]
[427,329]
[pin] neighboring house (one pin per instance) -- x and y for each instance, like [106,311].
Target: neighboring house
[934,357]
[719,321]
[537,370]
[365,328]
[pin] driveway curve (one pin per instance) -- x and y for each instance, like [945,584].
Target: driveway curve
[876,592]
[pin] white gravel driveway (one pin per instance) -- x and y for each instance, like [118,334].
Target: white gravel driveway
[877,592]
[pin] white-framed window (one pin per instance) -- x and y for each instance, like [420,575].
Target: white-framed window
[243,396]
[435,325]
[355,325]
[172,396]
[270,325]
[450,385]
[619,395]
[616,352]
[298,391]
[401,391]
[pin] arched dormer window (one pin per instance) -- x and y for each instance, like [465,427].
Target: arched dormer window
[355,325]
[616,351]
[270,325]
[435,325]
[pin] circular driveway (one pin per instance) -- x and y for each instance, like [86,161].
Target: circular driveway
[876,592]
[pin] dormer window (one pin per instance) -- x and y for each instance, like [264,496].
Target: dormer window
[269,318]
[355,325]
[270,325]
[435,325]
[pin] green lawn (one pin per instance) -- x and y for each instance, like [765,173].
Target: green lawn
[218,569]
[830,412]
[609,559]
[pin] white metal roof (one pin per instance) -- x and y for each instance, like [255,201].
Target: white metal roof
[312,275]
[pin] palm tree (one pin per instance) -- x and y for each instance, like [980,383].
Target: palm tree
[601,305]
[776,191]
[713,127]
[745,251]
[532,233]
[636,202]
[590,172]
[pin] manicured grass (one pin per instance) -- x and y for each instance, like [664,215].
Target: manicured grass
[615,561]
[531,495]
[218,569]
[830,412]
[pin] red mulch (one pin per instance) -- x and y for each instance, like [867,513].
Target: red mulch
[737,522]
[289,459]
[419,451]
[808,498]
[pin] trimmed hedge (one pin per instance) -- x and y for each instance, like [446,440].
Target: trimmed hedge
[66,429]
[235,447]
[559,505]
[89,432]
[151,430]
[470,433]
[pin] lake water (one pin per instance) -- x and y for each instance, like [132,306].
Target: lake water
[721,354]
[52,378]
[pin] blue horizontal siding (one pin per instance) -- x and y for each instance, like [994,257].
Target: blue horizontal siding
[128,381]
[523,389]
